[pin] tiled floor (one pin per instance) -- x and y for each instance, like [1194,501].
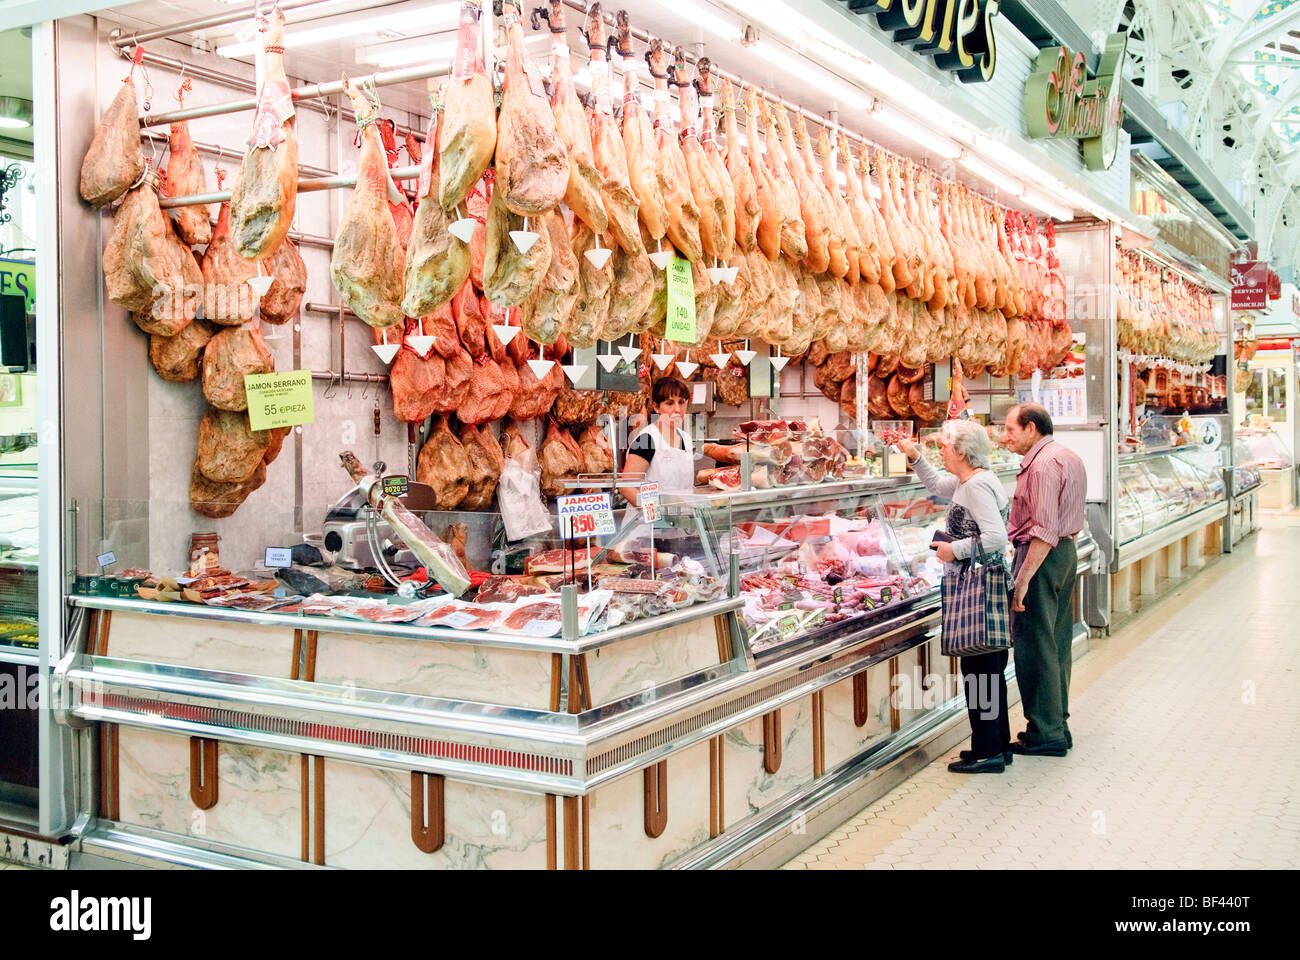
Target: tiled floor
[1185,726]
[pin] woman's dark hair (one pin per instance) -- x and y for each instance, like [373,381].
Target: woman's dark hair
[1036,414]
[667,389]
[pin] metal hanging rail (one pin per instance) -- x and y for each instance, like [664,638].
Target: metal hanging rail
[304,186]
[234,15]
[312,91]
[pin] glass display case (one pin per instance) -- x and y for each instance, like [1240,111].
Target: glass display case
[1263,448]
[1156,490]
[1245,472]
[19,557]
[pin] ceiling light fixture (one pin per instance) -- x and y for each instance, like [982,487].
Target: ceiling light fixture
[441,16]
[15,113]
[417,50]
[848,96]
[922,136]
[708,19]
[991,176]
[1043,205]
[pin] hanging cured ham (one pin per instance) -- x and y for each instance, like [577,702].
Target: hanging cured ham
[114,161]
[794,241]
[368,261]
[639,143]
[700,173]
[621,206]
[683,214]
[468,134]
[437,263]
[547,310]
[185,178]
[587,322]
[747,210]
[509,274]
[265,192]
[532,167]
[288,284]
[724,190]
[227,298]
[228,357]
[147,268]
[582,194]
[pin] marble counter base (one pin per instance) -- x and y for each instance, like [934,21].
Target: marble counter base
[747,786]
[632,666]
[617,811]
[368,824]
[258,793]
[202,644]
[844,739]
[456,671]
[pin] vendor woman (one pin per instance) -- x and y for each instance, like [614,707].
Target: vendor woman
[661,449]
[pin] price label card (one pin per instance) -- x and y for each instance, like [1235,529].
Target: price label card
[585,515]
[649,498]
[278,557]
[680,323]
[396,486]
[104,559]
[279,399]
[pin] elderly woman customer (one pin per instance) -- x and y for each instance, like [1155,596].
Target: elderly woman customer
[978,509]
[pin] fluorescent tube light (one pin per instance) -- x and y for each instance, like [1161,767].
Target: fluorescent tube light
[991,176]
[918,134]
[402,52]
[1044,205]
[848,96]
[708,19]
[442,16]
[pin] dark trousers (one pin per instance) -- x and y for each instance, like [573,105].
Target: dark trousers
[1042,635]
[985,680]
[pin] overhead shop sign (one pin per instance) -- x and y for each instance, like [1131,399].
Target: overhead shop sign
[1250,285]
[956,34]
[1062,101]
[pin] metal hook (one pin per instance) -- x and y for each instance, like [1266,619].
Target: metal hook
[365,389]
[330,390]
[347,383]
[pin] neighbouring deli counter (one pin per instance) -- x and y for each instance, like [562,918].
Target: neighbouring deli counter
[688,737]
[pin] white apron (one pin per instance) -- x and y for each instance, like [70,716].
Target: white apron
[672,469]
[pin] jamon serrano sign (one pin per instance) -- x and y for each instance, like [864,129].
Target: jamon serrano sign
[956,34]
[1061,101]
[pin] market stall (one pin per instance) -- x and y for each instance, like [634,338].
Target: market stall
[346,586]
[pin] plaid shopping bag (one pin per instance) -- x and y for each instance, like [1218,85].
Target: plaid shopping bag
[976,607]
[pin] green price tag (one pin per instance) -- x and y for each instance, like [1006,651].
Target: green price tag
[868,603]
[886,595]
[838,595]
[279,399]
[680,323]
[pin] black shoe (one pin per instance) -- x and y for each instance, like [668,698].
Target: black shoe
[993,764]
[1023,737]
[1007,756]
[1050,748]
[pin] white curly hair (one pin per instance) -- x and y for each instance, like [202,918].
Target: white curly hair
[971,441]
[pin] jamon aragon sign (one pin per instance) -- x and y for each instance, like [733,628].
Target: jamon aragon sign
[956,34]
[1062,101]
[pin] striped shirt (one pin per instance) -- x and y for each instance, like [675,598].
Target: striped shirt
[1049,500]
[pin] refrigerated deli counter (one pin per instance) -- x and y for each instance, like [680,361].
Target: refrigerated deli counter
[796,677]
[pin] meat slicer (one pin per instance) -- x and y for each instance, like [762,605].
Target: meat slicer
[346,537]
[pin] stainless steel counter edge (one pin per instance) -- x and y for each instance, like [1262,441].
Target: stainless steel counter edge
[481,638]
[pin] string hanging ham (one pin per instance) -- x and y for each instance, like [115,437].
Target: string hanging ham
[683,222]
[437,264]
[532,166]
[147,268]
[114,163]
[468,134]
[265,192]
[639,143]
[620,201]
[185,178]
[368,260]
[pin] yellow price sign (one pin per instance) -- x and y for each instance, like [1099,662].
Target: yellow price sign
[680,322]
[279,399]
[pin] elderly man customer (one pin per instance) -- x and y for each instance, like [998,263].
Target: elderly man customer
[978,509]
[1046,513]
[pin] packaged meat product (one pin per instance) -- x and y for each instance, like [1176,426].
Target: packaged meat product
[519,494]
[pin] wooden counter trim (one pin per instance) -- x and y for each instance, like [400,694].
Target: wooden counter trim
[723,633]
[861,700]
[895,719]
[819,732]
[100,622]
[304,784]
[309,667]
[579,684]
[584,682]
[430,787]
[717,795]
[572,847]
[109,795]
[318,828]
[772,741]
[557,674]
[295,665]
[203,772]
[655,778]
[722,793]
[585,802]
[551,859]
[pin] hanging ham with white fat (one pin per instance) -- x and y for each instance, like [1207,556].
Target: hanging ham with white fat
[639,143]
[265,193]
[437,263]
[368,260]
[468,135]
[607,144]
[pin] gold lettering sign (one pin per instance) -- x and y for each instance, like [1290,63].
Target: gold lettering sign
[958,34]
